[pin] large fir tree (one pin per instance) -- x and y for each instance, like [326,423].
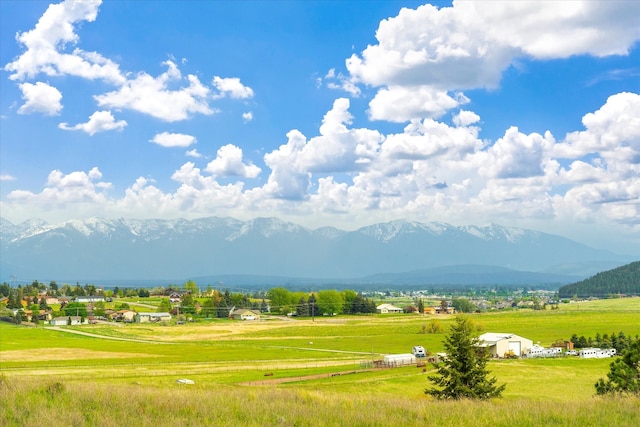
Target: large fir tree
[463,373]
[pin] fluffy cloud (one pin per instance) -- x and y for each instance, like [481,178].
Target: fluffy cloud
[167,139]
[153,96]
[40,98]
[337,149]
[100,121]
[604,132]
[469,44]
[231,86]
[515,155]
[465,118]
[340,81]
[53,33]
[62,191]
[557,29]
[403,103]
[247,117]
[421,55]
[5,177]
[428,170]
[229,163]
[193,153]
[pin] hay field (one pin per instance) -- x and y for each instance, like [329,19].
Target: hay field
[290,368]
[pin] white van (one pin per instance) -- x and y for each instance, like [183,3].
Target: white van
[418,351]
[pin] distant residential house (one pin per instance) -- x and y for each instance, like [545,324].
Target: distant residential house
[245,314]
[41,314]
[125,316]
[388,308]
[152,317]
[52,300]
[59,321]
[445,310]
[175,297]
[500,343]
[67,320]
[45,315]
[525,304]
[87,299]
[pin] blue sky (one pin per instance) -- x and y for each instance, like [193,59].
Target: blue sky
[524,114]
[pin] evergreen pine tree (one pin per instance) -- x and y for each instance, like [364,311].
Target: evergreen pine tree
[624,372]
[462,373]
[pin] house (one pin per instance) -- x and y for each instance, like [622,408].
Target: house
[245,314]
[500,343]
[59,321]
[85,299]
[152,317]
[445,310]
[127,316]
[52,300]
[388,308]
[67,320]
[174,297]
[439,310]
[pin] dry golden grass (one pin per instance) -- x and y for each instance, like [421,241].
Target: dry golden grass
[45,354]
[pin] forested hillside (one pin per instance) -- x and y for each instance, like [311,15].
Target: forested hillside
[621,280]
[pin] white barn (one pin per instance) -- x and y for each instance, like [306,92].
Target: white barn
[500,343]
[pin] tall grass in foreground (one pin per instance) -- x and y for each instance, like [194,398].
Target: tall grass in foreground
[27,402]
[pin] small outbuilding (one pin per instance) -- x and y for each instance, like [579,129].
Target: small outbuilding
[499,344]
[397,360]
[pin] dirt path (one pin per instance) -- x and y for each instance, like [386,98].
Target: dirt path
[273,381]
[106,337]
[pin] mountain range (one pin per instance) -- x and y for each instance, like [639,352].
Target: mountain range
[271,250]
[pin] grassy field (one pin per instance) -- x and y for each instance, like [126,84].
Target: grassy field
[299,372]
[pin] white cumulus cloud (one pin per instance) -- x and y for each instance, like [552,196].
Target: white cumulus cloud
[424,54]
[168,139]
[40,98]
[100,121]
[193,153]
[47,46]
[152,96]
[233,87]
[229,163]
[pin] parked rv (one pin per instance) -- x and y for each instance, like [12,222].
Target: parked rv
[418,351]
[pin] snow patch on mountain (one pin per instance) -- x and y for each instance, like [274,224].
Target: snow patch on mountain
[498,232]
[266,227]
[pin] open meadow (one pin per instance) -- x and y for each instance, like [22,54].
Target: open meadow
[299,372]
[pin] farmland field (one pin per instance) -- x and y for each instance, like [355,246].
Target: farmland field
[300,372]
